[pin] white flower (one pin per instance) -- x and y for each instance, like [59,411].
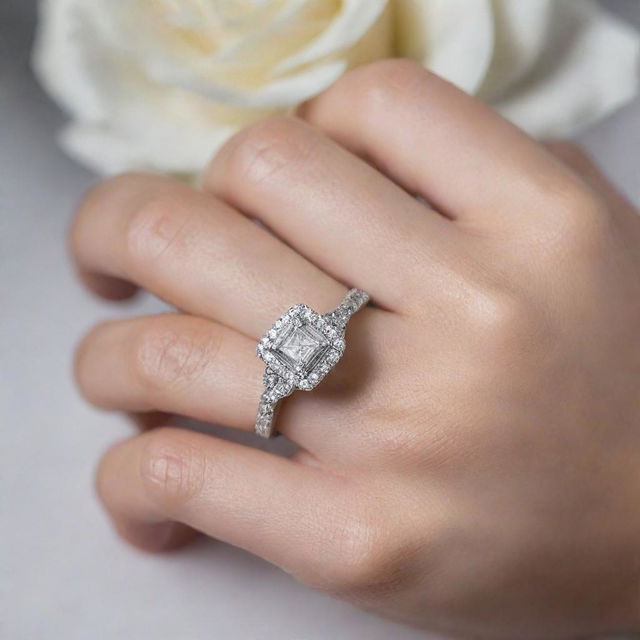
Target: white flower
[160,84]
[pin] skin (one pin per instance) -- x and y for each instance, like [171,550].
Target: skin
[471,465]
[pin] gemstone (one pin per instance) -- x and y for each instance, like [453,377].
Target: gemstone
[300,347]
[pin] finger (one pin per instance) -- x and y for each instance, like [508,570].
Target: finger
[583,164]
[440,143]
[195,252]
[332,207]
[277,508]
[172,363]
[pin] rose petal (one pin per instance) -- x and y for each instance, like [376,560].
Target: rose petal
[295,23]
[589,67]
[521,32]
[281,93]
[453,38]
[141,93]
[350,24]
[110,150]
[61,60]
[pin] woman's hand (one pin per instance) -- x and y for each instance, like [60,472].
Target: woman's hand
[472,465]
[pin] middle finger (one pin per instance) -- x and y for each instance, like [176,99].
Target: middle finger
[195,252]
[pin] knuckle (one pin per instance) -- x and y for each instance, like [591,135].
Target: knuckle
[157,225]
[109,189]
[398,441]
[580,224]
[100,197]
[501,320]
[392,71]
[570,153]
[383,82]
[167,357]
[172,470]
[264,149]
[366,561]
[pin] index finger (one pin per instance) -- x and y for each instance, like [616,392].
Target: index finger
[437,141]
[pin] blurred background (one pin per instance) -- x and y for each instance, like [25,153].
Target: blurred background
[63,573]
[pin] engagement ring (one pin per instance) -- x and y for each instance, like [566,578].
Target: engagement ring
[299,350]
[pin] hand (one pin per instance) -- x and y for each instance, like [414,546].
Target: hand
[472,465]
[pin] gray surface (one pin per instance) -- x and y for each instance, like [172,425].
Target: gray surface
[64,575]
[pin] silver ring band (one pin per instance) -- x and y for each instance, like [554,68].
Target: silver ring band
[299,350]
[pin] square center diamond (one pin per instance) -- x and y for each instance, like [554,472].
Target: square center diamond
[300,347]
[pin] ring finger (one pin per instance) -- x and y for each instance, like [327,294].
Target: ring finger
[177,364]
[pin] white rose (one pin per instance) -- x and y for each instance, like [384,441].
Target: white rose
[160,84]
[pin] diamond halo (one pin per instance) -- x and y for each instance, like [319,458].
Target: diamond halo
[302,346]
